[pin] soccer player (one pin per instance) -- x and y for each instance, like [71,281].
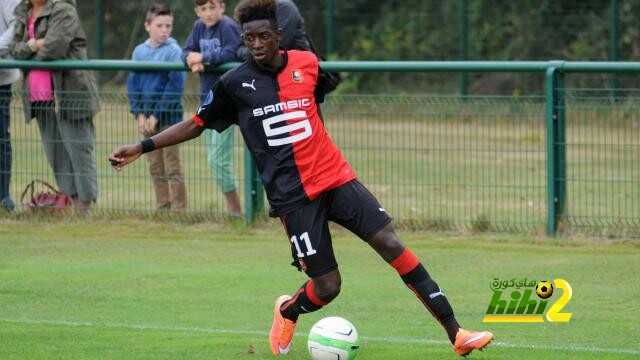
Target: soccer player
[274,97]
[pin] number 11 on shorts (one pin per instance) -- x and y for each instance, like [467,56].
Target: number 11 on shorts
[307,242]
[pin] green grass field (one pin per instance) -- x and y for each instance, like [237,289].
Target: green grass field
[141,290]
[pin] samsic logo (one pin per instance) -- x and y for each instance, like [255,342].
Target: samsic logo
[528,301]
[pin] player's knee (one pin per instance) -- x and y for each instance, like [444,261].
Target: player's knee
[328,287]
[386,243]
[329,291]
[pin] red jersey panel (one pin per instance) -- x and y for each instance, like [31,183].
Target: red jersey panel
[319,161]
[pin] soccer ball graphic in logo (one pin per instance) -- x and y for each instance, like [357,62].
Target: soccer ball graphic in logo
[333,338]
[544,289]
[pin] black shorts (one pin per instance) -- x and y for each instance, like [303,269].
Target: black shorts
[350,205]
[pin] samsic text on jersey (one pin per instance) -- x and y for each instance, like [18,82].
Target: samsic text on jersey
[278,116]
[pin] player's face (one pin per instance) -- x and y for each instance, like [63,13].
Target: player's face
[211,12]
[38,2]
[159,28]
[262,41]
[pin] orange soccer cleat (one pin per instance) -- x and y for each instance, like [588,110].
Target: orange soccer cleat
[282,329]
[467,341]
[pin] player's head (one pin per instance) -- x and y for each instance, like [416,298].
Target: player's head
[209,11]
[159,22]
[259,29]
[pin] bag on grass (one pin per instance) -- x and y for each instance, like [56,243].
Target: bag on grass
[50,200]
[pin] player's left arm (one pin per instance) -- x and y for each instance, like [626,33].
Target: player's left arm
[322,86]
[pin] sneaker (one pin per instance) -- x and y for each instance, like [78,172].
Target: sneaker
[467,341]
[282,329]
[8,204]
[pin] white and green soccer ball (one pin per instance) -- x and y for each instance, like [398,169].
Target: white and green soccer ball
[333,338]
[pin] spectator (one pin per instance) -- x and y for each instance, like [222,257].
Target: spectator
[291,24]
[63,102]
[7,77]
[155,99]
[214,40]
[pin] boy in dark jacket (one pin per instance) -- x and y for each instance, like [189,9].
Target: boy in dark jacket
[155,99]
[214,40]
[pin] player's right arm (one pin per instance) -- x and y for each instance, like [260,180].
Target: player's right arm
[176,134]
[217,112]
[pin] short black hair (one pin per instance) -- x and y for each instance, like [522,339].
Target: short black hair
[202,2]
[252,10]
[158,9]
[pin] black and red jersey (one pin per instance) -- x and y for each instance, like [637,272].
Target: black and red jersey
[278,117]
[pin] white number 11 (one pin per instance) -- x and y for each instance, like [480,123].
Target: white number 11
[307,243]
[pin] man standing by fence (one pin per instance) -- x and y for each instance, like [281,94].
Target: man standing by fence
[7,77]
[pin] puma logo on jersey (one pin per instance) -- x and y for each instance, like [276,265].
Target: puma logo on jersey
[251,86]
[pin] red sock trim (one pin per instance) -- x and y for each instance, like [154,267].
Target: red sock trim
[406,262]
[308,289]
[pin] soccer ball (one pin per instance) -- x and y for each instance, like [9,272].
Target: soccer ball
[333,338]
[544,289]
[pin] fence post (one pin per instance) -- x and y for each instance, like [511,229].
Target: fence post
[614,44]
[99,35]
[463,31]
[556,145]
[253,190]
[99,29]
[330,27]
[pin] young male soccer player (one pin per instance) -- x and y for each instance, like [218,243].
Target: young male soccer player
[274,97]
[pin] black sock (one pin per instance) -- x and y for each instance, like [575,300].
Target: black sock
[304,301]
[419,281]
[416,277]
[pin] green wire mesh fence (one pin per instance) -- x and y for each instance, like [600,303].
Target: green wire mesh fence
[603,160]
[435,162]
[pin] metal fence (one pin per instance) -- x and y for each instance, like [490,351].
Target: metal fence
[564,160]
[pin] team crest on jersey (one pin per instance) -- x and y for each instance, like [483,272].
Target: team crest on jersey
[296,76]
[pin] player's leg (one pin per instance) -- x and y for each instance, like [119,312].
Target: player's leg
[355,208]
[312,295]
[386,243]
[312,252]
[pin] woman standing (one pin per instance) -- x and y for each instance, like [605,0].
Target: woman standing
[63,101]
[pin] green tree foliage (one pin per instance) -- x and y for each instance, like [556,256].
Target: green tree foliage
[422,30]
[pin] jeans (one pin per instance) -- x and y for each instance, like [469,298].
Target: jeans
[5,141]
